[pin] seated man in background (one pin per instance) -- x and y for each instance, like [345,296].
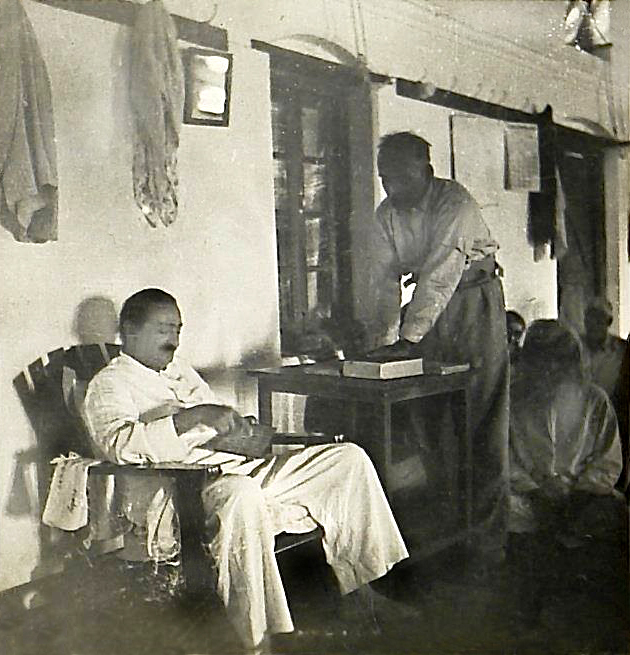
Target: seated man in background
[621,402]
[565,454]
[147,406]
[516,328]
[603,351]
[603,357]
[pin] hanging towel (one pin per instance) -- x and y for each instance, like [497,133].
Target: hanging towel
[541,206]
[28,167]
[157,100]
[67,503]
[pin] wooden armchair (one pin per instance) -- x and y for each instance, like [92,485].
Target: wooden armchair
[47,389]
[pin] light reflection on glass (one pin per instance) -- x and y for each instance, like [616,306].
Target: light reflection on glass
[311,137]
[314,187]
[313,241]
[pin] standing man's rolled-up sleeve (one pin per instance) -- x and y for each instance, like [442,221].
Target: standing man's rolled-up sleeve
[435,286]
[453,230]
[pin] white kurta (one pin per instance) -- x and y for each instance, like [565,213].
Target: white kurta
[570,432]
[604,365]
[334,486]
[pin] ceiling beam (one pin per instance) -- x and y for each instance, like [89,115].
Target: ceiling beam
[123,13]
[470,105]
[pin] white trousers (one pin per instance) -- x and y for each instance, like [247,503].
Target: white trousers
[337,487]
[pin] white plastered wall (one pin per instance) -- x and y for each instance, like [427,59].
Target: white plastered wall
[218,258]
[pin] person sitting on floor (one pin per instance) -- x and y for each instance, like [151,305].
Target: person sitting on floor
[564,442]
[603,357]
[516,328]
[603,351]
[146,405]
[565,457]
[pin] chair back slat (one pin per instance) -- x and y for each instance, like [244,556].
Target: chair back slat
[88,359]
[37,372]
[57,426]
[112,349]
[55,359]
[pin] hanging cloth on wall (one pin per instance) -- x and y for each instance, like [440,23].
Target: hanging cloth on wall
[545,209]
[157,99]
[28,166]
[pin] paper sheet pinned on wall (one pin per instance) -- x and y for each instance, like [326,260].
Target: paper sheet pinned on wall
[522,167]
[477,144]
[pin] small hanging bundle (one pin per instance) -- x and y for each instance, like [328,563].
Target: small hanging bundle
[157,100]
[28,160]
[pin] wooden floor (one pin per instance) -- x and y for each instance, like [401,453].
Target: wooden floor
[112,610]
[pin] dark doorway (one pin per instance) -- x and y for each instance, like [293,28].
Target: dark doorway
[582,271]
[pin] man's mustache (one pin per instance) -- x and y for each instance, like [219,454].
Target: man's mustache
[168,348]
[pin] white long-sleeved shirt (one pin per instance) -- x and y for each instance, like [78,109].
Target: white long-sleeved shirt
[436,242]
[128,411]
[569,432]
[604,364]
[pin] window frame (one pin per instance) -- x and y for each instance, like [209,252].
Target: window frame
[302,81]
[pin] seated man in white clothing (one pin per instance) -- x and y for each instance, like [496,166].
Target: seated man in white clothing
[565,457]
[565,452]
[146,405]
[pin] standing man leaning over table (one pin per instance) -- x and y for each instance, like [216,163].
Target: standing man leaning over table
[433,229]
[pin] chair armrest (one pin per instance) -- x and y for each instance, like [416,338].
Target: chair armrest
[287,540]
[167,469]
[305,438]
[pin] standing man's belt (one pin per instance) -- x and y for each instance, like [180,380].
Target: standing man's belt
[481,272]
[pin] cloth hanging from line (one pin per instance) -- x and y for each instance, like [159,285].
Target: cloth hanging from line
[545,209]
[28,166]
[157,100]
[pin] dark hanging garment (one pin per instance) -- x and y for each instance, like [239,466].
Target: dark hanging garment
[541,206]
[28,164]
[157,100]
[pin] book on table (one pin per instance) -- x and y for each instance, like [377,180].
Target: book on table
[392,368]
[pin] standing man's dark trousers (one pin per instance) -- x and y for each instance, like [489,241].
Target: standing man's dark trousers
[472,329]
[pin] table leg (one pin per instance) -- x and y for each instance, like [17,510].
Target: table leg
[383,453]
[353,412]
[264,404]
[187,501]
[469,459]
[461,418]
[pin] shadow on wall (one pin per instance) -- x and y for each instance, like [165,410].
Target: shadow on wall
[96,321]
[39,388]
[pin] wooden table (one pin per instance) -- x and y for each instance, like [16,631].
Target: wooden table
[382,395]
